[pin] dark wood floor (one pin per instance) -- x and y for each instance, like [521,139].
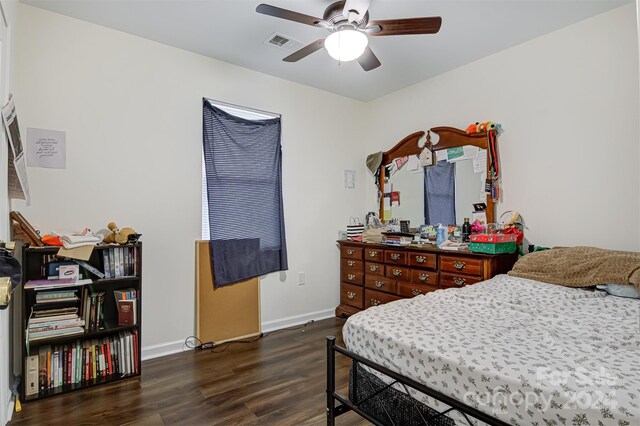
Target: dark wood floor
[278,380]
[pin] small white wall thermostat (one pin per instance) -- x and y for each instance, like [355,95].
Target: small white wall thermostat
[349,179]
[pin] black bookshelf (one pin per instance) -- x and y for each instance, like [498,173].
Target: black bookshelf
[34,268]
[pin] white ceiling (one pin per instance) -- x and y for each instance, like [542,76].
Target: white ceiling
[231,30]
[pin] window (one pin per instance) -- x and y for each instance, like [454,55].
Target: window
[246,113]
[242,192]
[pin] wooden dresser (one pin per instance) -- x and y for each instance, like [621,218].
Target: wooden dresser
[372,274]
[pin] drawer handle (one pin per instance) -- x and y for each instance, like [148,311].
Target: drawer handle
[415,291]
[375,302]
[423,277]
[421,259]
[379,284]
[374,268]
[351,295]
[459,281]
[397,273]
[350,251]
[459,265]
[351,277]
[373,253]
[351,263]
[395,256]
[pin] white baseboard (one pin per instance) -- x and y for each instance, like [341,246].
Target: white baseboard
[278,324]
[163,349]
[169,348]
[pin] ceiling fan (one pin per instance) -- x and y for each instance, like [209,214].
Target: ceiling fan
[348,22]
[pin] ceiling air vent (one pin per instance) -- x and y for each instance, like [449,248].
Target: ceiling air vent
[283,42]
[278,40]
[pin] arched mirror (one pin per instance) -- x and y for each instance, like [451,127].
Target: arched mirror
[446,191]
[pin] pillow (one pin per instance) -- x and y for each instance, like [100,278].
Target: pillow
[620,290]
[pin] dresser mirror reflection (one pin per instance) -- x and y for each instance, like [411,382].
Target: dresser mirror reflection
[469,176]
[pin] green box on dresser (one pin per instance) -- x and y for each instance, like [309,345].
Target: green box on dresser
[70,334]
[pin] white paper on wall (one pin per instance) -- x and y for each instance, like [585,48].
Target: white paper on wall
[46,148]
[480,162]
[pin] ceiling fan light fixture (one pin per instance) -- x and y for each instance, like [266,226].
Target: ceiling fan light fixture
[346,44]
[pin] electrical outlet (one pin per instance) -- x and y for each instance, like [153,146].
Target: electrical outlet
[302,279]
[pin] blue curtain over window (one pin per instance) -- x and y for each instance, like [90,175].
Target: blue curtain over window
[243,163]
[440,194]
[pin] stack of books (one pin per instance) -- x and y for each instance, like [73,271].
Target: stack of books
[85,362]
[56,322]
[120,262]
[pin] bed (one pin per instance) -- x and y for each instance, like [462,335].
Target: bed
[505,351]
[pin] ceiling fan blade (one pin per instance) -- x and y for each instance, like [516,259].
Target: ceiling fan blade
[354,10]
[290,15]
[305,51]
[405,26]
[368,60]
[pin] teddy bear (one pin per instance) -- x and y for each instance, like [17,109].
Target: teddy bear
[117,235]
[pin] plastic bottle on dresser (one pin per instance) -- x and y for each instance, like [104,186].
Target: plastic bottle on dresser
[441,235]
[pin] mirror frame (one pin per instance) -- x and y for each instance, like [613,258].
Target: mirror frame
[449,137]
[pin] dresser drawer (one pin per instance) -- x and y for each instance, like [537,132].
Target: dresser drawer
[422,260]
[395,257]
[352,295]
[424,277]
[462,265]
[371,268]
[352,277]
[407,289]
[374,255]
[380,283]
[375,298]
[397,272]
[456,280]
[349,252]
[351,265]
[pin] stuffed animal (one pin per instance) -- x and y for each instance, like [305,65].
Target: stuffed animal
[117,235]
[483,127]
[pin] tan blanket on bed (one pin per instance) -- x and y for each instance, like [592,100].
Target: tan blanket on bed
[580,267]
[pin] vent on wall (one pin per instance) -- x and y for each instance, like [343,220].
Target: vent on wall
[283,42]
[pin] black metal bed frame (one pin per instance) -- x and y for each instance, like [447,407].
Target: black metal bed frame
[346,405]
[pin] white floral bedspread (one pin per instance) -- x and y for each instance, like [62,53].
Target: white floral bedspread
[523,351]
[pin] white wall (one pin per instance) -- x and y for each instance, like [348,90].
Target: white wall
[7,59]
[568,102]
[132,111]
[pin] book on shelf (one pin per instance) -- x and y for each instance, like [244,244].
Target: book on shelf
[38,312]
[82,362]
[47,284]
[31,380]
[105,262]
[127,312]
